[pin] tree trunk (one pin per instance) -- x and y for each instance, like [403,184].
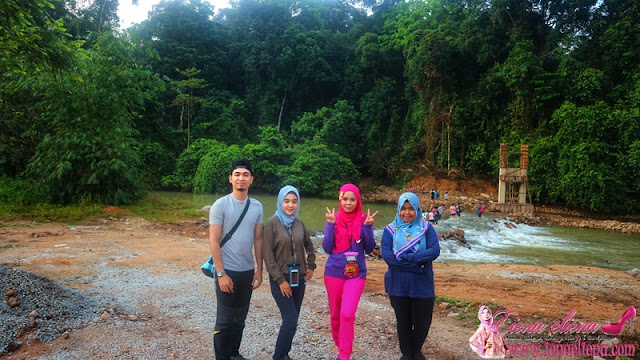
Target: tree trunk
[284,99]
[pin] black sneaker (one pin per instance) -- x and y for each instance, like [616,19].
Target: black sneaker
[239,357]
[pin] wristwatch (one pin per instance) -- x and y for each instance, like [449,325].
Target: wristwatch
[220,273]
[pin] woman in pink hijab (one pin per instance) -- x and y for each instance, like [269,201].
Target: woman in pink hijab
[487,341]
[348,236]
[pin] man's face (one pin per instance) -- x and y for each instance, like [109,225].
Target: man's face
[240,179]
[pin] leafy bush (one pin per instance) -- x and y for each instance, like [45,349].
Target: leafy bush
[338,127]
[88,152]
[156,161]
[270,159]
[22,192]
[214,169]
[188,162]
[316,170]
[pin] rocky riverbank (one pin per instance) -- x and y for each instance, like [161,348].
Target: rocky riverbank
[470,194]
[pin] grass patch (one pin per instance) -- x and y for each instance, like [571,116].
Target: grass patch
[44,212]
[155,207]
[467,310]
[159,207]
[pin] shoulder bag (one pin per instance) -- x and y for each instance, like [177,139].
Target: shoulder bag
[207,268]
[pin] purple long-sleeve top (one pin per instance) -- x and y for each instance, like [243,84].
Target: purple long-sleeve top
[337,261]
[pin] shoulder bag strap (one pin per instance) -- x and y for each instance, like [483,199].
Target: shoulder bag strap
[235,227]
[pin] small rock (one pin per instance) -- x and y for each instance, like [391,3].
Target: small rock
[65,335]
[34,314]
[33,324]
[105,316]
[459,232]
[314,339]
[634,272]
[444,305]
[206,208]
[10,292]
[610,341]
[13,302]
[453,314]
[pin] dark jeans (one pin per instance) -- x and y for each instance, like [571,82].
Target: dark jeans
[290,311]
[232,309]
[413,318]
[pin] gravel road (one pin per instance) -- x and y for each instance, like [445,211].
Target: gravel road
[136,313]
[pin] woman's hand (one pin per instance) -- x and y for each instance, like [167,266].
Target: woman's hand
[370,218]
[331,215]
[309,275]
[285,289]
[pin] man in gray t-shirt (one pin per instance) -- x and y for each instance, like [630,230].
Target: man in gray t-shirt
[234,263]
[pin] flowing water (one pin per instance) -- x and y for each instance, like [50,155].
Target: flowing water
[489,239]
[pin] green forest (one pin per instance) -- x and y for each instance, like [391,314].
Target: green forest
[316,93]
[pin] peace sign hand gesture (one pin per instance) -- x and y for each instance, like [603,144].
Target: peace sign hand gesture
[330,215]
[370,217]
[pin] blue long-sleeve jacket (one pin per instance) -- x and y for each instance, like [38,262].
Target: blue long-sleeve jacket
[412,275]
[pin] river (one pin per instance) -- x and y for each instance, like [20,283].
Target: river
[489,239]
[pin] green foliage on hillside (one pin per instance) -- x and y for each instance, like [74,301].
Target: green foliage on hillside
[318,93]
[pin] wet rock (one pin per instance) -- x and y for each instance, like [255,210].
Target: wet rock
[459,232]
[463,244]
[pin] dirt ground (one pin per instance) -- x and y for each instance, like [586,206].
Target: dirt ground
[66,253]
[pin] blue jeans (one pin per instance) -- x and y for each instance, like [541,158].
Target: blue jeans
[231,313]
[290,311]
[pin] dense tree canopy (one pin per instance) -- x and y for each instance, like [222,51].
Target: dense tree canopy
[318,92]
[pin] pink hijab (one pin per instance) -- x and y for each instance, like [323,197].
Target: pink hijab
[348,225]
[487,324]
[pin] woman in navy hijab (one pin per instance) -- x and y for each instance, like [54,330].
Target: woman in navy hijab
[409,245]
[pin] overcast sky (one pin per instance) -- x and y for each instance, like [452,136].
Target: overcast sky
[132,14]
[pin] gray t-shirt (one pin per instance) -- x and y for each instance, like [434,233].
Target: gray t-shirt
[237,252]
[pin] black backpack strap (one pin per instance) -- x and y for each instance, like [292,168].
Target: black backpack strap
[235,227]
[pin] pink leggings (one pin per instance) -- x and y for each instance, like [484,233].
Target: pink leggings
[344,296]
